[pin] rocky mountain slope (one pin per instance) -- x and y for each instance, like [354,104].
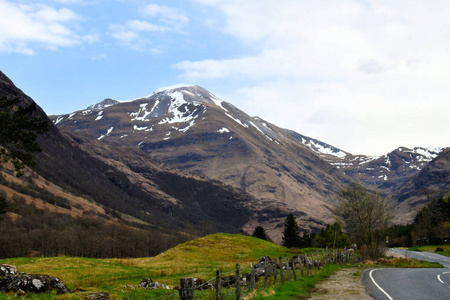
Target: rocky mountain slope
[139,189]
[188,128]
[182,159]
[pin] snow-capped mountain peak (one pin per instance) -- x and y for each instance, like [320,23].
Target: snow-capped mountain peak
[103,104]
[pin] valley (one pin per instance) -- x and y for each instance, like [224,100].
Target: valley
[183,160]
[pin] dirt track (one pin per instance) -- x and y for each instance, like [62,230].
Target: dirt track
[345,284]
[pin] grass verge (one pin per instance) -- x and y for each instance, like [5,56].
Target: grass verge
[199,258]
[439,249]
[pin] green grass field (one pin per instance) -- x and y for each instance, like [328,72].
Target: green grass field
[199,258]
[121,277]
[433,248]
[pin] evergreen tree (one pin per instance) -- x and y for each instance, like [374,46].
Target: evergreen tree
[332,236]
[3,207]
[291,233]
[18,132]
[306,240]
[19,127]
[260,233]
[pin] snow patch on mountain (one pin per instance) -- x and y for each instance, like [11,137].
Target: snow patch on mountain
[236,120]
[179,111]
[218,102]
[323,149]
[142,114]
[427,154]
[59,119]
[103,104]
[173,87]
[223,130]
[135,127]
[99,116]
[107,133]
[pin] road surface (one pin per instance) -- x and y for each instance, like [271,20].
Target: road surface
[402,284]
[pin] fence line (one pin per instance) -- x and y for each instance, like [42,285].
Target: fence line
[269,268]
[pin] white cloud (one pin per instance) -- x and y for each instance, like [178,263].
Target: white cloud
[163,19]
[166,14]
[354,74]
[26,27]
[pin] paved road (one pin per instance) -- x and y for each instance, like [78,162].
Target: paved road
[399,284]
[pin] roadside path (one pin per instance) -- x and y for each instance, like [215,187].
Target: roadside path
[344,284]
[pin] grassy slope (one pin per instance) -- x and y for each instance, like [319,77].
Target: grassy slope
[199,258]
[432,248]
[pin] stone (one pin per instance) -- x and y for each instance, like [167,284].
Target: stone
[7,270]
[31,283]
[99,296]
[148,283]
[202,285]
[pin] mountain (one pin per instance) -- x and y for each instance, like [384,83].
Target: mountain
[188,128]
[139,192]
[182,159]
[432,181]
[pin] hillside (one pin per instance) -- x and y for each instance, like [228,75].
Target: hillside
[170,203]
[188,128]
[121,277]
[182,160]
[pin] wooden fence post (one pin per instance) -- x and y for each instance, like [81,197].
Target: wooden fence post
[288,269]
[307,264]
[312,261]
[293,269]
[275,273]
[218,286]
[300,263]
[186,290]
[238,283]
[318,259]
[252,277]
[265,274]
[281,271]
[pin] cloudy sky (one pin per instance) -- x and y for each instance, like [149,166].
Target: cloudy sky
[364,76]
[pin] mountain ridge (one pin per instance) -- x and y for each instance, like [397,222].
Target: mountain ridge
[189,128]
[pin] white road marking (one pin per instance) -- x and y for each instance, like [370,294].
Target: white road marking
[439,278]
[379,287]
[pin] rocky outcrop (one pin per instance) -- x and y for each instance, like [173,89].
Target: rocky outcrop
[148,283]
[31,283]
[7,270]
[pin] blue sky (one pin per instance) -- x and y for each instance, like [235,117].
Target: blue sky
[364,76]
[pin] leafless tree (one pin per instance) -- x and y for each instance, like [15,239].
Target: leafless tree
[366,216]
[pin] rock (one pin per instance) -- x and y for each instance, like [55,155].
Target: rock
[99,296]
[202,285]
[147,283]
[7,270]
[31,283]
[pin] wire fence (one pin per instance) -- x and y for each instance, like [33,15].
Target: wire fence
[266,272]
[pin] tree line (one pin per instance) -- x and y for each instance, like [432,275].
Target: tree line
[364,218]
[29,231]
[431,226]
